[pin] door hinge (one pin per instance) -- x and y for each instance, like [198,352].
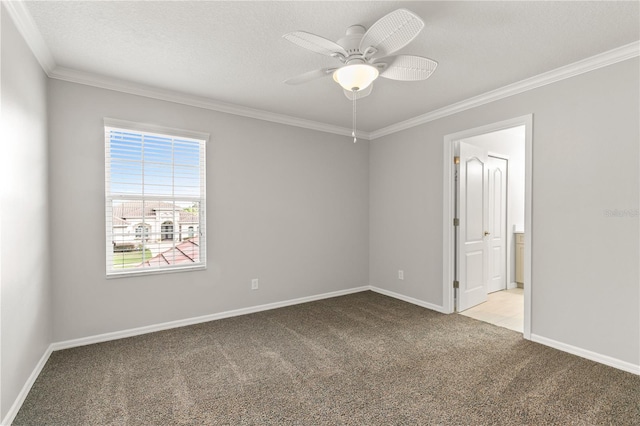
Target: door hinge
[456,221]
[456,284]
[456,160]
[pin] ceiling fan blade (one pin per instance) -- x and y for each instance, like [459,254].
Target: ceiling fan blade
[392,32]
[316,43]
[407,67]
[311,75]
[359,94]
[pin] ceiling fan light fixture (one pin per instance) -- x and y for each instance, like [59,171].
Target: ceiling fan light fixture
[356,76]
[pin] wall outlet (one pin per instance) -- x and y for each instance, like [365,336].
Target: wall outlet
[254,284]
[400,274]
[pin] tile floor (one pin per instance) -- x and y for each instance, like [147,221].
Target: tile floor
[503,308]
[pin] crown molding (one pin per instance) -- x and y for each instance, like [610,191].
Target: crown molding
[601,60]
[91,79]
[27,28]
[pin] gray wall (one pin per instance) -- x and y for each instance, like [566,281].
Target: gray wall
[586,140]
[307,212]
[286,205]
[24,223]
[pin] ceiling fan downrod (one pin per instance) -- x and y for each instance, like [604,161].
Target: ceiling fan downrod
[355,96]
[365,55]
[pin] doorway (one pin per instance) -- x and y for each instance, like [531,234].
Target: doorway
[482,213]
[503,308]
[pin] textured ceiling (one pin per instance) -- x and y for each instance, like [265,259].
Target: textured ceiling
[234,52]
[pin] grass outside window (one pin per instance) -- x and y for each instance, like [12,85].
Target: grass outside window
[129,259]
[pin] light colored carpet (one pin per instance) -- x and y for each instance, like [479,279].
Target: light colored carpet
[361,359]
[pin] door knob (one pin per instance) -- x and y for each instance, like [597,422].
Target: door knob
[486,233]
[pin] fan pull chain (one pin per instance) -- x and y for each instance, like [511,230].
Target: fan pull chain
[353,133]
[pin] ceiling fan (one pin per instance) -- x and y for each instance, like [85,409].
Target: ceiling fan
[364,54]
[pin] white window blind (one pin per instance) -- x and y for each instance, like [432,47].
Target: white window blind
[155,199]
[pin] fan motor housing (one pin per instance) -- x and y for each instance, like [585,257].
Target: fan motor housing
[351,41]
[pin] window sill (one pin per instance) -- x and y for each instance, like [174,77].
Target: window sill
[128,274]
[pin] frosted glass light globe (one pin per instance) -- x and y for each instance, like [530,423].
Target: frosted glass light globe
[356,76]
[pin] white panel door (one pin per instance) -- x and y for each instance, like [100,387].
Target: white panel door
[497,173]
[473,214]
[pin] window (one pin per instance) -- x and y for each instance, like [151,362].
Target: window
[141,232]
[155,184]
[167,231]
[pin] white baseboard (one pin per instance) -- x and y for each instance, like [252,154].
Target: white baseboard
[228,314]
[584,353]
[512,285]
[13,411]
[411,300]
[197,320]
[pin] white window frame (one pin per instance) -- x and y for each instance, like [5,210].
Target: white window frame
[154,130]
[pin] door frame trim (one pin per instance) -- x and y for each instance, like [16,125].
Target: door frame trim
[448,213]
